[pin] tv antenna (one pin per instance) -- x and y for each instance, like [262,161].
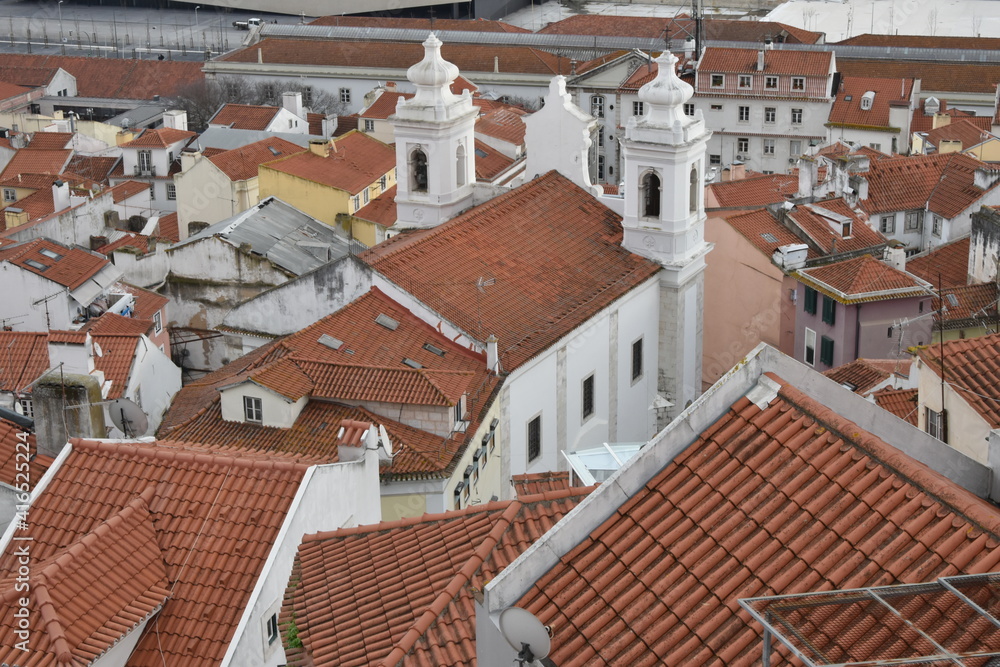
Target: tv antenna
[45,300]
[526,634]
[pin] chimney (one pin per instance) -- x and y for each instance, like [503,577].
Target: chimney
[807,177]
[124,137]
[950,146]
[940,120]
[15,217]
[760,60]
[176,119]
[60,196]
[292,102]
[727,175]
[319,147]
[260,56]
[492,354]
[896,257]
[496,64]
[738,171]
[54,424]
[572,67]
[189,156]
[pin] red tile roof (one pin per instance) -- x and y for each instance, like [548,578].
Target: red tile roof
[841,150]
[949,261]
[9,90]
[315,121]
[350,382]
[36,161]
[900,402]
[358,161]
[781,500]
[814,220]
[923,122]
[965,131]
[212,520]
[345,124]
[24,357]
[381,210]
[114,324]
[976,306]
[755,191]
[93,168]
[244,116]
[776,61]
[538,294]
[147,303]
[887,92]
[506,124]
[924,41]
[466,25]
[862,279]
[240,164]
[657,28]
[162,137]
[50,140]
[15,443]
[944,184]
[490,162]
[130,240]
[72,269]
[384,105]
[30,77]
[132,79]
[764,232]
[37,205]
[167,227]
[414,601]
[861,375]
[127,190]
[530,484]
[939,77]
[972,368]
[467,57]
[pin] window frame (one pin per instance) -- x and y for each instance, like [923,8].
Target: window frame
[638,108]
[597,106]
[745,82]
[157,322]
[533,439]
[638,362]
[829,310]
[770,115]
[345,95]
[717,80]
[810,300]
[933,424]
[796,116]
[171,192]
[742,144]
[9,194]
[770,82]
[271,628]
[826,350]
[798,83]
[27,406]
[915,217]
[588,400]
[768,146]
[937,226]
[369,125]
[743,114]
[689,108]
[809,354]
[889,228]
[253,409]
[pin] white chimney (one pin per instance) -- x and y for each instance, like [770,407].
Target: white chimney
[896,258]
[176,119]
[492,354]
[292,102]
[760,60]
[60,196]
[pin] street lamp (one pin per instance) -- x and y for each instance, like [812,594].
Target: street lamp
[60,21]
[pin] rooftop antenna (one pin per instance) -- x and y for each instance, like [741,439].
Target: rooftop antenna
[526,634]
[45,300]
[699,29]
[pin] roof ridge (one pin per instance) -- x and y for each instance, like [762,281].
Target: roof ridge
[461,578]
[203,455]
[557,494]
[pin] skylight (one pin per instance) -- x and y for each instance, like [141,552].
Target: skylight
[35,265]
[769,237]
[436,350]
[330,342]
[387,322]
[51,254]
[411,363]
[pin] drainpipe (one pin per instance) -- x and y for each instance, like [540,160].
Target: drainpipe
[857,331]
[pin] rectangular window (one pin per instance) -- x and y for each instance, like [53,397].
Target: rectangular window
[810,356]
[272,629]
[936,227]
[744,114]
[826,350]
[157,322]
[718,80]
[887,225]
[809,303]
[356,202]
[369,125]
[913,221]
[171,191]
[460,410]
[636,360]
[689,108]
[743,145]
[794,148]
[588,397]
[829,310]
[364,194]
[876,146]
[383,182]
[796,116]
[798,83]
[769,147]
[600,138]
[27,407]
[597,106]
[253,409]
[716,107]
[345,95]
[600,167]
[746,81]
[770,114]
[534,438]
[771,82]
[307,96]
[715,159]
[9,194]
[935,425]
[638,109]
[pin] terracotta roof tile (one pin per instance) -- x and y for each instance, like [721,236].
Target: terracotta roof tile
[415,598]
[842,150]
[119,79]
[490,162]
[972,366]
[212,520]
[37,205]
[862,375]
[816,221]
[381,210]
[764,232]
[315,121]
[50,140]
[350,382]
[950,261]
[506,124]
[117,357]
[943,184]
[345,124]
[384,105]
[73,267]
[284,377]
[357,162]
[12,444]
[940,77]
[9,90]
[780,500]
[755,191]
[975,305]
[167,227]
[161,137]
[240,164]
[468,25]
[114,324]
[900,402]
[30,77]
[657,28]
[25,357]
[36,161]
[862,279]
[127,190]
[147,303]
[924,41]
[94,168]
[530,484]
[776,61]
[537,296]
[467,57]
[965,131]
[923,121]
[244,116]
[128,240]
[887,92]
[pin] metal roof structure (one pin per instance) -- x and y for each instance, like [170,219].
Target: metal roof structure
[280,232]
[952,621]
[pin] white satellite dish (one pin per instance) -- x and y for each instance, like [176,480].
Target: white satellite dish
[128,417]
[384,442]
[525,633]
[97,349]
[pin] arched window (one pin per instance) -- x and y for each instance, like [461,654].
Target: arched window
[460,166]
[650,191]
[693,197]
[418,171]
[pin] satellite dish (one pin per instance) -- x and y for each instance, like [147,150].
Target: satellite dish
[384,442]
[128,417]
[525,633]
[97,349]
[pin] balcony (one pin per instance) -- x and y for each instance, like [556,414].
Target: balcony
[149,172]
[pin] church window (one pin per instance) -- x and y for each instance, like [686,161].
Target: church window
[460,166]
[418,171]
[651,195]
[597,106]
[693,196]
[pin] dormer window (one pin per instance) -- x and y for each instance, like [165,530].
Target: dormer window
[746,82]
[718,81]
[847,230]
[867,100]
[771,82]
[460,410]
[798,83]
[253,409]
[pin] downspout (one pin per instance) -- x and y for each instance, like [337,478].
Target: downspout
[857,331]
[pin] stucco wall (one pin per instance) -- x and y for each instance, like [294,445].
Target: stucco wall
[276,410]
[967,430]
[205,194]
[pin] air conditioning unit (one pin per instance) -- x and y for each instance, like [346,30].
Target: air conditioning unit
[741,157]
[791,160]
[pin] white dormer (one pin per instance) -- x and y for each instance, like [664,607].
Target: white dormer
[867,100]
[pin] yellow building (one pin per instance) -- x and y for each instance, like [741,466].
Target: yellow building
[332,179]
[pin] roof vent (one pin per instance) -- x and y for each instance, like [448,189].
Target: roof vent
[436,350]
[387,322]
[411,363]
[330,342]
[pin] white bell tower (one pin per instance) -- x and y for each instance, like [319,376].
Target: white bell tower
[435,144]
[664,157]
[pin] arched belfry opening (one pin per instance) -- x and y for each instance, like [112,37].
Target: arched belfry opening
[693,196]
[650,195]
[460,166]
[418,171]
